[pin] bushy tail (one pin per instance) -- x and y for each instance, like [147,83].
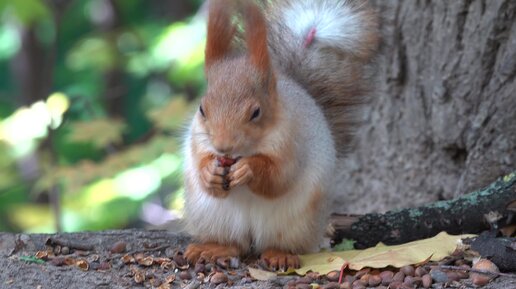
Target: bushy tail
[328,47]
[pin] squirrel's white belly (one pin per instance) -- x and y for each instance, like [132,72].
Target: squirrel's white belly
[252,221]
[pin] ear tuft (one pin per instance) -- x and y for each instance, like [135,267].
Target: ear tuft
[220,31]
[256,37]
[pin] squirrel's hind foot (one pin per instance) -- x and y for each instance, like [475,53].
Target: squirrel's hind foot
[280,260]
[210,252]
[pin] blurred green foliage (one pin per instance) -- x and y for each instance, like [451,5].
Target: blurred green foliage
[97,144]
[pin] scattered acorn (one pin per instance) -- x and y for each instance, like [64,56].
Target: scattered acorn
[185,275]
[408,270]
[399,276]
[65,250]
[453,276]
[386,277]
[481,279]
[420,272]
[333,276]
[218,278]
[345,285]
[395,285]
[179,259]
[199,268]
[304,280]
[426,281]
[118,247]
[375,280]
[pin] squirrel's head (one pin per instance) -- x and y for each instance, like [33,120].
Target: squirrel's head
[240,106]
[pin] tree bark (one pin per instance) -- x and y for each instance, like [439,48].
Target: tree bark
[443,120]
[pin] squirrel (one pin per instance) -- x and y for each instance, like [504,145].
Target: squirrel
[261,151]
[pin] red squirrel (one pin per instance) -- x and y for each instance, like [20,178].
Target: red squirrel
[261,151]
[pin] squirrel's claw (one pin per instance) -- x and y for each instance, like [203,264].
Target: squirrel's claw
[279,260]
[240,174]
[213,180]
[210,252]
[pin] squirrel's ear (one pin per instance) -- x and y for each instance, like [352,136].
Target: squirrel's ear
[256,37]
[220,31]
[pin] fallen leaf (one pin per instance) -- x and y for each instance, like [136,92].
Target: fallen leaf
[261,274]
[325,262]
[432,249]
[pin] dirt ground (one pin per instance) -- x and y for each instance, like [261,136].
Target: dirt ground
[108,269]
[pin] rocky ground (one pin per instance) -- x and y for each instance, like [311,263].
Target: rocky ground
[153,259]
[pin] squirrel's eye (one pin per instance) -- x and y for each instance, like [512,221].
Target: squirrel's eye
[201,111]
[256,114]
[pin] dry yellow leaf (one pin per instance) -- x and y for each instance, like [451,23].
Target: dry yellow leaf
[261,274]
[381,256]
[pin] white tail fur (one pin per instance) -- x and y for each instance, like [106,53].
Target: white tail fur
[327,46]
[336,23]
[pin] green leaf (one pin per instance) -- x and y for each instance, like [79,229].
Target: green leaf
[345,245]
[27,11]
[31,259]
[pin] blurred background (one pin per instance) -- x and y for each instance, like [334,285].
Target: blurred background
[94,95]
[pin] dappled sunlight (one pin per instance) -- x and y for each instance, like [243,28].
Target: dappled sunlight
[10,41]
[181,43]
[122,79]
[138,183]
[27,125]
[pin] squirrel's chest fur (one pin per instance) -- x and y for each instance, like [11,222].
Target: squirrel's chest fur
[287,222]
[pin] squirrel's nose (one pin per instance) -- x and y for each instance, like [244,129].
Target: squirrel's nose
[224,148]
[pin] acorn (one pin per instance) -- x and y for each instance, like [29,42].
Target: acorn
[480,279]
[225,161]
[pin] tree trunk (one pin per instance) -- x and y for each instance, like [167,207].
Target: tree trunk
[443,120]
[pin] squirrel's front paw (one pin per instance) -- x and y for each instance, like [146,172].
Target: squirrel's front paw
[240,173]
[213,178]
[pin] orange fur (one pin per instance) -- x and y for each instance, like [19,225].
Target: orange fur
[268,179]
[220,31]
[303,96]
[210,251]
[278,259]
[256,37]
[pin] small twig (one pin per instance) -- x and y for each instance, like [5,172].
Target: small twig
[456,268]
[69,244]
[344,266]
